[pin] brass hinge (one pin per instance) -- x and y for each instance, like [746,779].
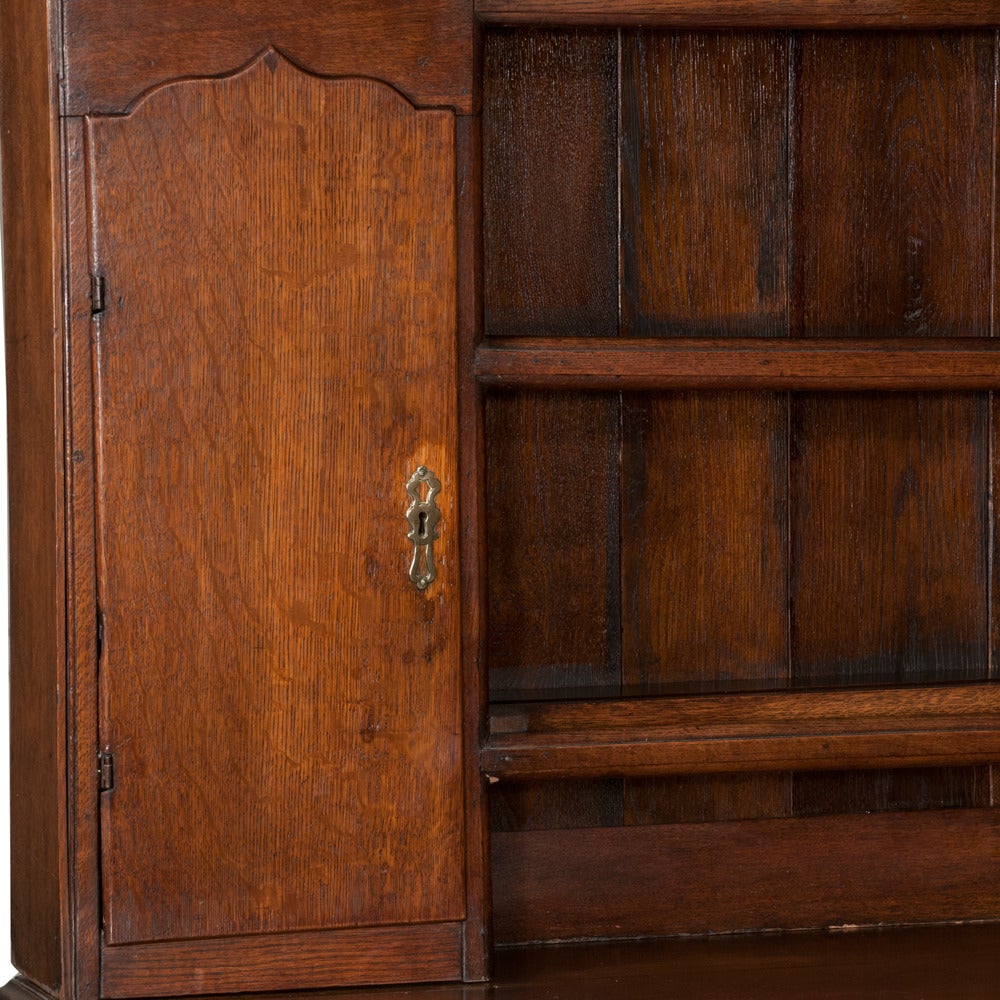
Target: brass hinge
[106,770]
[98,290]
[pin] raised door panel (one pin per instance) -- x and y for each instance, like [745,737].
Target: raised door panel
[275,358]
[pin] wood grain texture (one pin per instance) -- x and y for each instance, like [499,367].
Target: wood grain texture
[554,583]
[892,232]
[477,949]
[548,264]
[544,805]
[889,494]
[889,508]
[721,877]
[116,50]
[549,623]
[934,963]
[739,733]
[704,242]
[829,364]
[368,955]
[554,588]
[32,243]
[286,714]
[704,184]
[83,962]
[746,13]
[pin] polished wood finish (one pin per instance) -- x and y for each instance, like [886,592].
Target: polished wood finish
[547,624]
[550,625]
[890,234]
[116,50]
[33,246]
[296,276]
[832,364]
[262,402]
[547,264]
[745,14]
[723,877]
[890,221]
[304,960]
[934,963]
[478,943]
[933,726]
[83,958]
[703,243]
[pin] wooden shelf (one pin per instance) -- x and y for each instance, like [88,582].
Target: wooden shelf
[871,728]
[747,13]
[740,363]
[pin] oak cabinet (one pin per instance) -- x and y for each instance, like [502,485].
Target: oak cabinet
[523,472]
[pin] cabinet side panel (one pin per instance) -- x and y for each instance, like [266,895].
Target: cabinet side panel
[704,252]
[33,339]
[892,146]
[276,360]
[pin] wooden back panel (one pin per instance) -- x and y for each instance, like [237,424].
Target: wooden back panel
[770,185]
[276,358]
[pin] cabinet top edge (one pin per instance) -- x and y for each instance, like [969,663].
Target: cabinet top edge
[746,14]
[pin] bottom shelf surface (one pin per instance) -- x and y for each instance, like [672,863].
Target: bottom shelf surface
[921,963]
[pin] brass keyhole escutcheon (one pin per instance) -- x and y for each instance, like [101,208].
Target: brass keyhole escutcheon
[423,516]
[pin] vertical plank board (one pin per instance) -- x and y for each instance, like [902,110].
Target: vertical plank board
[704,184]
[551,192]
[83,965]
[892,139]
[32,306]
[552,533]
[283,703]
[550,137]
[704,244]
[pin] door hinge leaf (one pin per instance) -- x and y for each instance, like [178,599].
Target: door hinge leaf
[106,770]
[98,291]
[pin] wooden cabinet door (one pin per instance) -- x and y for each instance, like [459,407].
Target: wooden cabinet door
[274,359]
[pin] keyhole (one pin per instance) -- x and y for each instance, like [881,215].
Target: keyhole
[422,524]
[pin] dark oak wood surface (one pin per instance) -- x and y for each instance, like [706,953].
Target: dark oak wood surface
[302,960]
[746,13]
[710,362]
[83,945]
[703,242]
[478,945]
[724,877]
[262,402]
[116,49]
[551,624]
[32,248]
[889,495]
[926,963]
[899,728]
[769,238]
